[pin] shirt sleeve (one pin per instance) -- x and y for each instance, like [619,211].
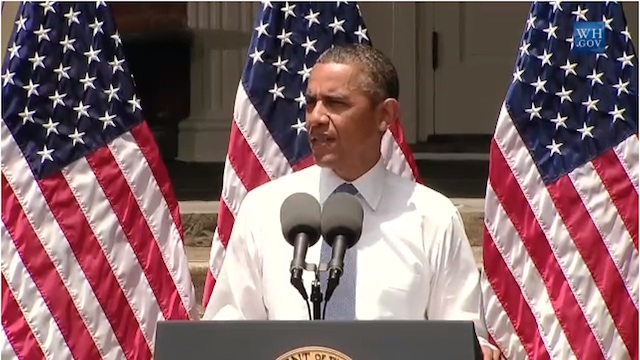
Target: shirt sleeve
[238,292]
[455,286]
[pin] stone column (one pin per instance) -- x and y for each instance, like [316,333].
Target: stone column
[222,32]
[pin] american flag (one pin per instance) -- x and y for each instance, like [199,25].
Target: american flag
[268,135]
[561,211]
[92,253]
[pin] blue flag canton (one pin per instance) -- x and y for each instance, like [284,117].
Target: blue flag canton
[569,106]
[66,88]
[288,39]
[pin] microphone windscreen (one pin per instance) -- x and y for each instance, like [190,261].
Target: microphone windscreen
[342,214]
[300,213]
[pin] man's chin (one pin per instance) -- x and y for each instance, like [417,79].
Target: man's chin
[324,160]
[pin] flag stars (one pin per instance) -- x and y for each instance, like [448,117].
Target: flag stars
[14,50]
[305,72]
[524,48]
[585,131]
[336,25]
[534,111]
[312,18]
[48,6]
[262,29]
[107,120]
[564,95]
[288,10]
[560,121]
[42,33]
[299,126]
[32,89]
[92,54]
[309,45]
[569,68]
[72,16]
[301,100]
[21,23]
[281,64]
[37,60]
[116,39]
[627,35]
[570,41]
[57,99]
[45,154]
[554,148]
[580,14]
[7,78]
[617,113]
[621,87]
[51,127]
[112,92]
[61,71]
[135,103]
[256,56]
[97,26]
[595,78]
[539,85]
[116,64]
[545,57]
[517,75]
[625,59]
[361,33]
[82,110]
[76,137]
[87,82]
[603,54]
[27,115]
[556,6]
[285,37]
[551,31]
[67,44]
[607,22]
[531,22]
[277,91]
[591,104]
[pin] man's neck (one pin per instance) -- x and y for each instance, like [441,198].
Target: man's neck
[352,173]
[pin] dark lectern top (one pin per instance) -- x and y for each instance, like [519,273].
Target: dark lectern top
[355,340]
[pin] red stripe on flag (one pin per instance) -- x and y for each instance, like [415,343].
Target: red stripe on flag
[46,278]
[225,223]
[564,303]
[244,161]
[18,332]
[145,141]
[85,246]
[591,246]
[510,296]
[622,192]
[398,134]
[137,230]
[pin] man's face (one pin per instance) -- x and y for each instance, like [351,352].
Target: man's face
[344,126]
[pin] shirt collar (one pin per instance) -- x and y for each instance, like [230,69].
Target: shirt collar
[369,185]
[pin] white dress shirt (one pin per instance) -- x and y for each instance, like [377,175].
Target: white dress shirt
[414,259]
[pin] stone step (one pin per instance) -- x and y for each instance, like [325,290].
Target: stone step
[199,220]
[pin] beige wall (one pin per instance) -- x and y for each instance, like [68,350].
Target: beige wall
[8,18]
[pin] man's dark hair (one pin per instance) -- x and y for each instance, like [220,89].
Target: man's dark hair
[381,76]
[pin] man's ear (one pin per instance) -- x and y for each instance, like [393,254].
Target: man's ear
[389,113]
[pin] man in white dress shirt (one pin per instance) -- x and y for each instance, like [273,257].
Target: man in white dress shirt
[413,259]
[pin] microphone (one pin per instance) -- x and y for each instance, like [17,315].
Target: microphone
[341,225]
[300,221]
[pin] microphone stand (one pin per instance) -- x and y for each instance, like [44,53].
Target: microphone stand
[316,294]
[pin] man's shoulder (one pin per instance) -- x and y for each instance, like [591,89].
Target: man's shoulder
[425,199]
[284,185]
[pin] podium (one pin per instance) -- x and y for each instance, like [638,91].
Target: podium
[316,340]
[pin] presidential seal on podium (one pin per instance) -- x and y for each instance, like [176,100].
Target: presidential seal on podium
[313,353]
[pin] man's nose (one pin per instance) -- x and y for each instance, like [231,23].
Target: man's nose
[316,115]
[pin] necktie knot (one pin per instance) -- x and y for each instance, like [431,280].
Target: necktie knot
[346,188]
